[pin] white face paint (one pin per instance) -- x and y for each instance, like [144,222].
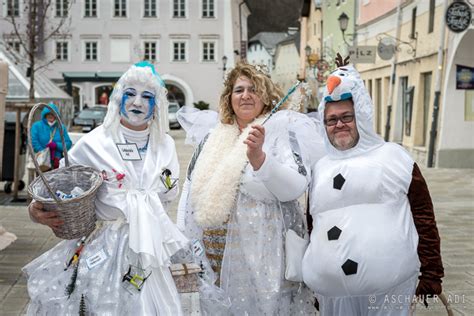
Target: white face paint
[138,104]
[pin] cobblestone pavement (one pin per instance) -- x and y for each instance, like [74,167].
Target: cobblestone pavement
[452,191]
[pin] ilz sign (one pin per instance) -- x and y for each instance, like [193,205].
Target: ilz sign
[362,54]
[458,16]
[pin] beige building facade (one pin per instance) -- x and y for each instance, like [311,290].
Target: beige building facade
[409,119]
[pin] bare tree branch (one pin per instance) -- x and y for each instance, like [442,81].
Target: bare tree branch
[45,65]
[39,26]
[16,32]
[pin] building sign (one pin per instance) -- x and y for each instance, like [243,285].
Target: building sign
[386,48]
[458,16]
[464,77]
[362,54]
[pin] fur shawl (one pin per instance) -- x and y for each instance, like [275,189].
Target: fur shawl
[216,177]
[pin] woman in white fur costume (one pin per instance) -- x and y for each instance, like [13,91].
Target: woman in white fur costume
[122,268]
[240,196]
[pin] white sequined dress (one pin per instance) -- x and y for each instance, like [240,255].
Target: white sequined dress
[133,229]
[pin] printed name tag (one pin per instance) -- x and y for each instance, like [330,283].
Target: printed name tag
[129,151]
[198,249]
[96,259]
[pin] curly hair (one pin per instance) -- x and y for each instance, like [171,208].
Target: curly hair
[264,87]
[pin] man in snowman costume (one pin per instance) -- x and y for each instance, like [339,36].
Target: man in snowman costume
[374,233]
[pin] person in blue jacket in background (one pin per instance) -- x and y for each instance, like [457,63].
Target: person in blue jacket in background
[45,133]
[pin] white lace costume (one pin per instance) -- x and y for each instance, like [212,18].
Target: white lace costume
[364,242]
[133,226]
[257,206]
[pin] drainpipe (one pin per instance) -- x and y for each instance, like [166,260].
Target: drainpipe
[3,100]
[439,73]
[240,25]
[393,73]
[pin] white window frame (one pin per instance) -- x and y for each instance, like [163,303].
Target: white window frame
[83,7]
[201,50]
[84,53]
[63,2]
[186,9]
[156,10]
[186,50]
[5,8]
[127,8]
[68,56]
[157,49]
[201,4]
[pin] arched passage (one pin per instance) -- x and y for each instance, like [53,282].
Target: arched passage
[179,89]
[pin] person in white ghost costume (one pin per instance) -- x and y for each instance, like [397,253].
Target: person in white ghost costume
[364,240]
[133,228]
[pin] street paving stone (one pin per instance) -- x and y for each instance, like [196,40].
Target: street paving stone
[452,191]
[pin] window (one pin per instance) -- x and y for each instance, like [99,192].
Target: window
[62,8]
[179,8]
[13,8]
[120,8]
[91,51]
[179,51]
[432,16]
[14,44]
[426,77]
[208,51]
[208,9]
[150,9]
[90,8]
[149,51]
[413,23]
[62,51]
[408,108]
[378,105]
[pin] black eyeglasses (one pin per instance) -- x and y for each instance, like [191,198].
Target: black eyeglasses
[344,119]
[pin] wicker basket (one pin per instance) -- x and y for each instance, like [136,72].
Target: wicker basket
[77,213]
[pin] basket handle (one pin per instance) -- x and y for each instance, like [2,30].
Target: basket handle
[30,146]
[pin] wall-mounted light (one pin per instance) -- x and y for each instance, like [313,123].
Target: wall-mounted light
[343,24]
[224,63]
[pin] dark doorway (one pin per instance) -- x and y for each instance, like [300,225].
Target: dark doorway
[76,97]
[102,94]
[175,94]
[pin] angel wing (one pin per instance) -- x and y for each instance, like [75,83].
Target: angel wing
[196,123]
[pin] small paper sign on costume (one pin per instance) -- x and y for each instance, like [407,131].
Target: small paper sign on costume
[129,152]
[96,259]
[197,247]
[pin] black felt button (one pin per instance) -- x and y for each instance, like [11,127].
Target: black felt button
[338,182]
[334,233]
[349,267]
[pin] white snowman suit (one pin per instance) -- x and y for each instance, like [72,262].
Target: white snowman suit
[363,247]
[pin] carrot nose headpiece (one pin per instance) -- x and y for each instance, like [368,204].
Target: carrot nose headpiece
[332,83]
